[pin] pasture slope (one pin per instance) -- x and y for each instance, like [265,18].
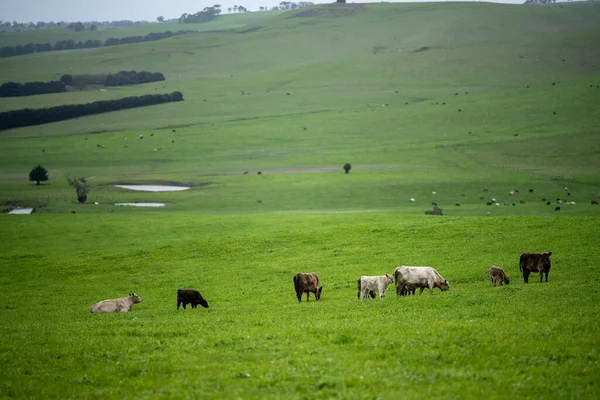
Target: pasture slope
[453,103]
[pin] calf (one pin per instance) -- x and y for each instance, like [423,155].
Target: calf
[497,274]
[307,283]
[535,262]
[190,296]
[405,290]
[367,285]
[419,277]
[122,304]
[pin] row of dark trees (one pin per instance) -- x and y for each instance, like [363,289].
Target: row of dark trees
[19,50]
[12,89]
[121,78]
[27,116]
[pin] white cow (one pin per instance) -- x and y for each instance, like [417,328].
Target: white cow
[122,304]
[419,277]
[368,284]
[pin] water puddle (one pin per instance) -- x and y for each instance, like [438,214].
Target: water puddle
[141,204]
[21,211]
[154,188]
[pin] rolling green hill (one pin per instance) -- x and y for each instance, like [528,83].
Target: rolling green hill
[461,104]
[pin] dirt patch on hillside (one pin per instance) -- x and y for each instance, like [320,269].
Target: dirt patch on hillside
[331,11]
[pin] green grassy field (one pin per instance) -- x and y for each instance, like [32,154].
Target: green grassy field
[454,103]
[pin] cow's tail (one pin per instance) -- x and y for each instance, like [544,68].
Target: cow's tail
[296,283]
[521,263]
[358,287]
[396,274]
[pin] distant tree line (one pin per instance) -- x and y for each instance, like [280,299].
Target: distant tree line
[121,78]
[27,116]
[208,14]
[76,26]
[12,89]
[19,50]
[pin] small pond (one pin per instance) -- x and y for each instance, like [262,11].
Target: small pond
[154,188]
[141,204]
[21,211]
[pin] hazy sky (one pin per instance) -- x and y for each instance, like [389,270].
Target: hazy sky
[111,10]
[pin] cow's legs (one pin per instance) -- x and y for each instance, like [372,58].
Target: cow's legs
[178,304]
[526,276]
[422,288]
[307,295]
[546,276]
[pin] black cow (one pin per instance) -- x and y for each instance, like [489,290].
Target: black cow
[190,296]
[535,262]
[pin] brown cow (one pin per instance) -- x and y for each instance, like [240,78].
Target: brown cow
[497,274]
[190,296]
[535,262]
[307,283]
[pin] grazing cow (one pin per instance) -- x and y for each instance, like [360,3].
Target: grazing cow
[369,284]
[420,277]
[307,283]
[190,296]
[535,262]
[123,304]
[556,208]
[595,202]
[497,274]
[530,190]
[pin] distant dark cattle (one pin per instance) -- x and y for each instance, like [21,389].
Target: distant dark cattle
[556,208]
[457,204]
[307,283]
[547,203]
[522,201]
[497,274]
[535,262]
[530,190]
[419,277]
[259,173]
[245,172]
[594,202]
[190,296]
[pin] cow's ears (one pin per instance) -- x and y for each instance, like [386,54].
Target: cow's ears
[549,253]
[446,281]
[131,294]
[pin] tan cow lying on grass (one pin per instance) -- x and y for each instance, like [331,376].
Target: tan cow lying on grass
[123,304]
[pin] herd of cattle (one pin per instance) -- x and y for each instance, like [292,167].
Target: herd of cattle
[408,279]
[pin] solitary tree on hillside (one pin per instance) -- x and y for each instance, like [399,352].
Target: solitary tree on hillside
[38,174]
[347,167]
[160,19]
